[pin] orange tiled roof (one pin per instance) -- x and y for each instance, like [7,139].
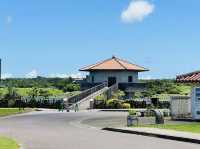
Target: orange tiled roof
[193,77]
[114,64]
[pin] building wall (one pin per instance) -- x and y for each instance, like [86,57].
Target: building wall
[180,106]
[195,103]
[121,76]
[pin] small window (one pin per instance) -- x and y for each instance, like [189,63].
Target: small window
[198,112]
[92,79]
[130,79]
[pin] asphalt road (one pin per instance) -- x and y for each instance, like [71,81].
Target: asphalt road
[53,130]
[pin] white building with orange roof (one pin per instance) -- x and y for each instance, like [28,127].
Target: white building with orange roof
[114,71]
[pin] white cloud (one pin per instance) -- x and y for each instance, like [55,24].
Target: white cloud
[9,19]
[76,75]
[147,77]
[6,75]
[63,75]
[58,75]
[137,11]
[32,74]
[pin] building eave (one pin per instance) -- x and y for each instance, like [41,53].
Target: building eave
[91,70]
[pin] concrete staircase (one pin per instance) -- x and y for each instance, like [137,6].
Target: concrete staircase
[83,100]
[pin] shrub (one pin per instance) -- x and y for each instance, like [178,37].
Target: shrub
[131,112]
[72,87]
[100,97]
[166,113]
[99,104]
[118,94]
[114,104]
[32,103]
[100,101]
[11,103]
[126,106]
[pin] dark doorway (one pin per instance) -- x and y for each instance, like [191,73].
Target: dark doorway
[130,79]
[111,81]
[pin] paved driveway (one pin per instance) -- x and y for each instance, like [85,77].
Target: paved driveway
[53,130]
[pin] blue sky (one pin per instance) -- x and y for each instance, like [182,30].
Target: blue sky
[57,37]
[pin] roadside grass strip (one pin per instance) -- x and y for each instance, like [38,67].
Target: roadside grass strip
[12,111]
[193,127]
[7,143]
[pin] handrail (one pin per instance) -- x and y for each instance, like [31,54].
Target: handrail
[111,89]
[86,93]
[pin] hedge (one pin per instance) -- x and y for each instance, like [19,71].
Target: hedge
[118,104]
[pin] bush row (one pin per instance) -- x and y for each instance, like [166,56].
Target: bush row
[54,104]
[126,104]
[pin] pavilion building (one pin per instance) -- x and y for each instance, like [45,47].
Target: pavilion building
[114,71]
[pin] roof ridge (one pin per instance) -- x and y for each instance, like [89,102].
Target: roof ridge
[116,59]
[132,63]
[114,63]
[187,74]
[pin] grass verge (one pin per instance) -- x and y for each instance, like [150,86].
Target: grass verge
[11,111]
[7,143]
[193,127]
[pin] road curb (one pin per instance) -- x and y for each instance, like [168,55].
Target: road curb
[176,138]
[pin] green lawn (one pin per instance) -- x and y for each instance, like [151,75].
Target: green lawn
[11,111]
[184,89]
[6,143]
[25,91]
[69,94]
[192,127]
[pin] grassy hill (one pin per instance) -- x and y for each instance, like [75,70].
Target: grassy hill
[25,91]
[165,88]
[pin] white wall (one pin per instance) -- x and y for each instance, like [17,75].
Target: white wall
[121,76]
[180,106]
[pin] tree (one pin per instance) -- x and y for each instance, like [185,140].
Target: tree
[11,94]
[34,93]
[44,93]
[72,87]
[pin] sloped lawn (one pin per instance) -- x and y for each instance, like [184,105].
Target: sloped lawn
[6,143]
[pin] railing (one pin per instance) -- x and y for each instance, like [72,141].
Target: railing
[86,85]
[86,93]
[110,90]
[133,86]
